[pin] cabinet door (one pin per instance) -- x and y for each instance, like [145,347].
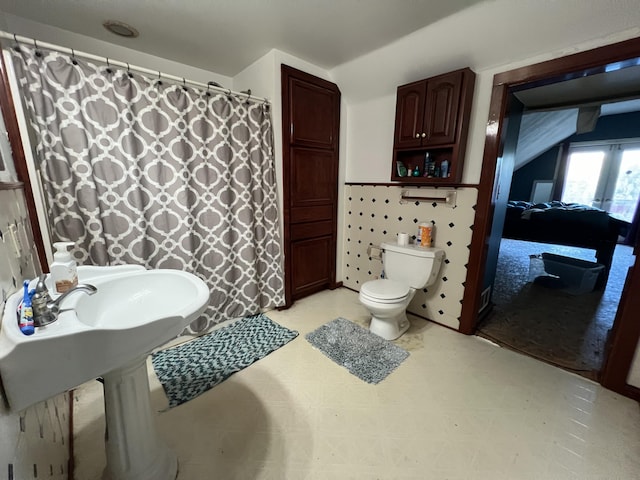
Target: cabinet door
[441,108]
[410,115]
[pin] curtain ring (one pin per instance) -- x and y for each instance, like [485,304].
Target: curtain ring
[248,92]
[184,84]
[17,46]
[73,57]
[35,44]
[159,82]
[129,71]
[108,66]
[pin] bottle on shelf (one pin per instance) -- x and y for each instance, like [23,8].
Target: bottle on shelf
[416,171]
[427,162]
[429,166]
[444,168]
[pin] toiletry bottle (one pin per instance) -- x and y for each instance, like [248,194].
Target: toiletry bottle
[427,161]
[401,169]
[425,234]
[444,168]
[416,171]
[63,269]
[26,312]
[431,168]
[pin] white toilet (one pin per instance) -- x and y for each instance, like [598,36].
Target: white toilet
[407,268]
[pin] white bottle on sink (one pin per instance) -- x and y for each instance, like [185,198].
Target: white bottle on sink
[64,271]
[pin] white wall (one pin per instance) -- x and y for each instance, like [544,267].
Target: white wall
[82,43]
[490,37]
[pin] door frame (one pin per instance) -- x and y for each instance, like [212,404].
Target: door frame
[626,331]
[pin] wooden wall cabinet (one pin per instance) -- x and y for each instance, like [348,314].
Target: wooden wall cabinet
[432,115]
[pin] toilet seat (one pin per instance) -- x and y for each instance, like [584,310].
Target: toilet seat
[385,291]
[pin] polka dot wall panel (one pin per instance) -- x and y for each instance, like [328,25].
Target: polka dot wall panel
[376,214]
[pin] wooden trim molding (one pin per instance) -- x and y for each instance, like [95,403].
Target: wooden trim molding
[484,212]
[13,132]
[603,59]
[626,331]
[409,184]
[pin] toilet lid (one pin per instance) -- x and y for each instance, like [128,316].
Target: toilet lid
[387,290]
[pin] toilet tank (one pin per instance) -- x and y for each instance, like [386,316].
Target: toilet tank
[412,265]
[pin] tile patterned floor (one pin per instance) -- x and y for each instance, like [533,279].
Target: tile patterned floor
[458,408]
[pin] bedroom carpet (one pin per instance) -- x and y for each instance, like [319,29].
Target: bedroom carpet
[569,331]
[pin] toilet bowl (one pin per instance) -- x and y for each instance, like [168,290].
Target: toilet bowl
[408,268]
[387,301]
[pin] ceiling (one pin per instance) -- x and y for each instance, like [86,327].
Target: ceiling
[225,36]
[618,91]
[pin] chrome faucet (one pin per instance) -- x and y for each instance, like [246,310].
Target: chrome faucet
[46,310]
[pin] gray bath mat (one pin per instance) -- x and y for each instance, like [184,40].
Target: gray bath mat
[192,368]
[365,354]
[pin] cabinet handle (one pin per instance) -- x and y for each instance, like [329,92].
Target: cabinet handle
[417,135]
[423,135]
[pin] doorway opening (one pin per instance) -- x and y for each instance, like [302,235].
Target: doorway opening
[566,320]
[504,117]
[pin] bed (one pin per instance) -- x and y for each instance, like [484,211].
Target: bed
[570,224]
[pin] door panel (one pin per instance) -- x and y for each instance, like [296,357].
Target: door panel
[311,264]
[312,120]
[441,113]
[311,214]
[311,116]
[313,177]
[410,115]
[301,231]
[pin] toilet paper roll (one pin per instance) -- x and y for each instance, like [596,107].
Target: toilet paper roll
[403,239]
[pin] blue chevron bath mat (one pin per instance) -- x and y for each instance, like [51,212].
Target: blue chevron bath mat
[366,355]
[192,368]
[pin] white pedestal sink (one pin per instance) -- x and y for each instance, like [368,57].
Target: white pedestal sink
[134,450]
[108,334]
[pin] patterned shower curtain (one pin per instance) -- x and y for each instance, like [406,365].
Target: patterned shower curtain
[139,170]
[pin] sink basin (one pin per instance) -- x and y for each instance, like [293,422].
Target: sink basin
[107,334]
[134,311]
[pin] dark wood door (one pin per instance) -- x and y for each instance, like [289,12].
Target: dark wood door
[311,126]
[441,108]
[410,115]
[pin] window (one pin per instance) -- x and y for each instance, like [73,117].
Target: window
[605,176]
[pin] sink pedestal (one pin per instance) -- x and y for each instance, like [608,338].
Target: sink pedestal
[134,450]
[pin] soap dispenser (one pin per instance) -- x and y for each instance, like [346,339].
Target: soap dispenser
[64,271]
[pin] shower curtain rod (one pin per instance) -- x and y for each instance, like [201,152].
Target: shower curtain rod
[108,61]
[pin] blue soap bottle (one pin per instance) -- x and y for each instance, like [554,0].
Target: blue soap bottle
[26,312]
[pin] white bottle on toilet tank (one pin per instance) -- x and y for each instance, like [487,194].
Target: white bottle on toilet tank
[64,271]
